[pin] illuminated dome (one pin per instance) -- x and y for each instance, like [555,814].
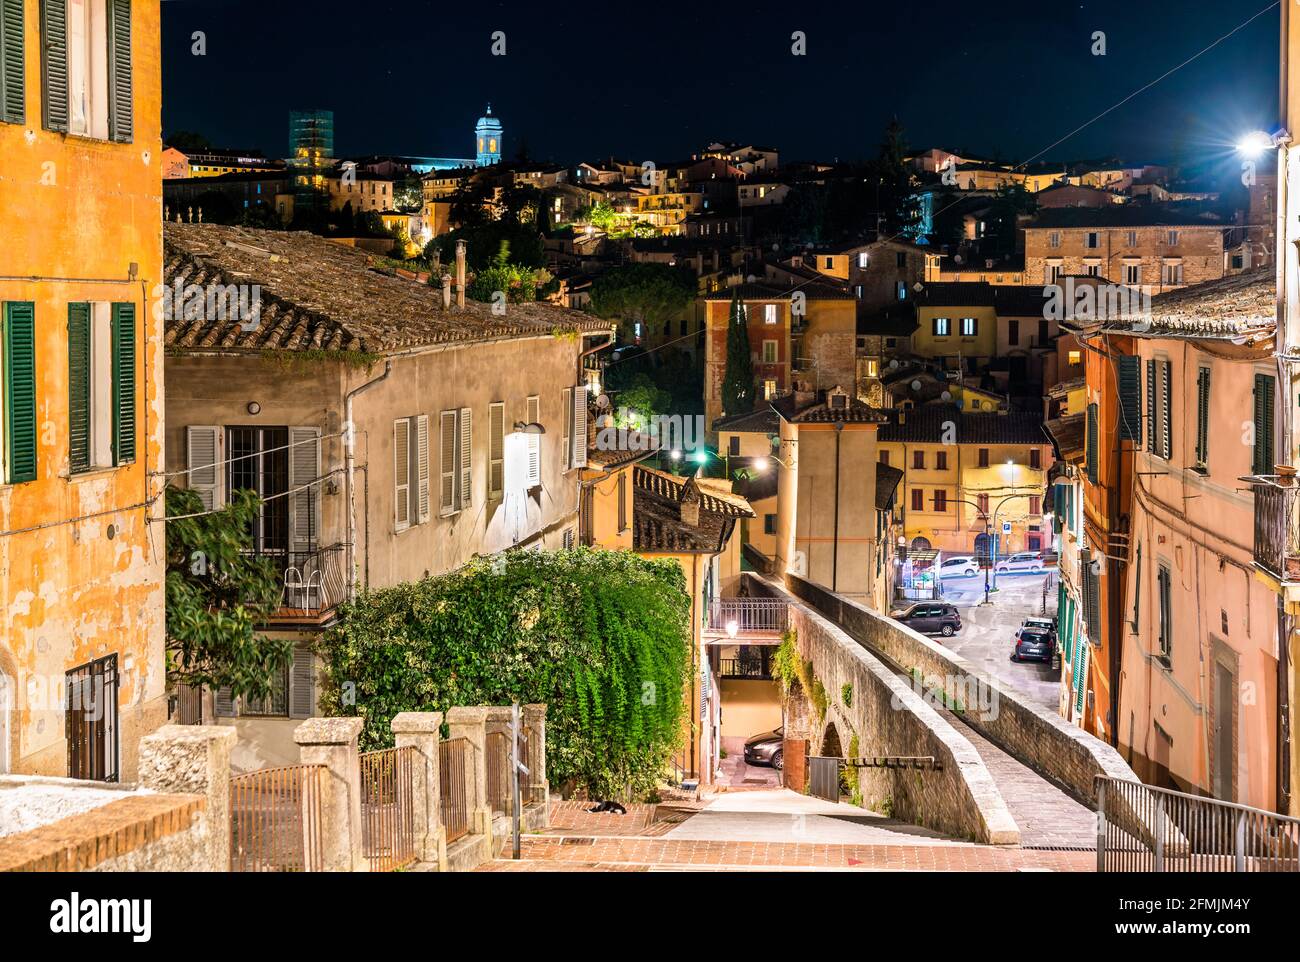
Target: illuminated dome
[487,139]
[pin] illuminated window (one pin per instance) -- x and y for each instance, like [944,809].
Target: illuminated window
[1074,357]
[769,390]
[969,326]
[769,313]
[862,259]
[941,326]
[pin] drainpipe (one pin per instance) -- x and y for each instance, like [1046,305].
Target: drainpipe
[350,451]
[835,542]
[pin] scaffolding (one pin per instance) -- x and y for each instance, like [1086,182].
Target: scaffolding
[311,155]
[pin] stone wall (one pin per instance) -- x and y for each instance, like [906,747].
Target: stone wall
[1039,738]
[957,798]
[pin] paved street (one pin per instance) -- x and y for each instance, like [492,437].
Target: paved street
[987,632]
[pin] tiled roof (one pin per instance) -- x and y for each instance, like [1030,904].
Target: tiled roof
[759,487]
[893,320]
[820,412]
[319,295]
[1239,307]
[762,421]
[928,425]
[887,479]
[657,524]
[772,291]
[1067,434]
[1123,215]
[956,294]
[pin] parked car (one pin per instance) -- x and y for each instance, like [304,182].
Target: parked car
[765,749]
[1033,644]
[1043,624]
[1024,561]
[1051,556]
[958,566]
[930,617]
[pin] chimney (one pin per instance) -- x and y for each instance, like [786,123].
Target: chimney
[446,292]
[460,273]
[691,513]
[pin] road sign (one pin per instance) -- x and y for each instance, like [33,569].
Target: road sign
[1006,527]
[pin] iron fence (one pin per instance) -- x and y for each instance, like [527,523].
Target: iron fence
[500,788]
[739,616]
[388,807]
[275,820]
[314,581]
[1141,828]
[753,664]
[453,761]
[530,756]
[1277,528]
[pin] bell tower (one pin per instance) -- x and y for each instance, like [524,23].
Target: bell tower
[487,139]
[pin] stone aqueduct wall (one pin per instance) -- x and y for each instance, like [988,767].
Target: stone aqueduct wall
[1039,738]
[889,718]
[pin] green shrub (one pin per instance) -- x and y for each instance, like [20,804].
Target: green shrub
[846,694]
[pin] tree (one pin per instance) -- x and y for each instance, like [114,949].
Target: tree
[217,592]
[648,294]
[483,242]
[518,283]
[602,638]
[738,382]
[894,186]
[599,215]
[642,400]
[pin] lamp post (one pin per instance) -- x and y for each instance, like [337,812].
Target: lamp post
[995,524]
[987,540]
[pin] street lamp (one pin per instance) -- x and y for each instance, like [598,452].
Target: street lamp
[760,464]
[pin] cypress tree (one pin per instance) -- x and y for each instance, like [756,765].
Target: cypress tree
[738,382]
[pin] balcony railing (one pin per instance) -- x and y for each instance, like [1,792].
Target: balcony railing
[747,616]
[312,582]
[1277,527]
[755,663]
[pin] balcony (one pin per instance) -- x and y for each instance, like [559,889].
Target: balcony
[751,619]
[751,662]
[1277,527]
[314,584]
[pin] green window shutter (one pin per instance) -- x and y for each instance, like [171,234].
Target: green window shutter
[1130,399]
[78,387]
[1091,449]
[124,366]
[1202,416]
[121,112]
[20,389]
[1167,410]
[1263,459]
[1152,434]
[13,86]
[54,64]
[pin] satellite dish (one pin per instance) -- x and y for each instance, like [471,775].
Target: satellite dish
[750,279]
[947,395]
[916,385]
[602,401]
[893,362]
[957,259]
[776,247]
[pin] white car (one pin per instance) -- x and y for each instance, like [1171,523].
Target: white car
[958,567]
[1024,561]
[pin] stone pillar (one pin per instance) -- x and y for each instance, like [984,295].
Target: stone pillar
[332,742]
[471,725]
[420,730]
[534,718]
[194,760]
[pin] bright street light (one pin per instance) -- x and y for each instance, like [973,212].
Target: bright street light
[1255,143]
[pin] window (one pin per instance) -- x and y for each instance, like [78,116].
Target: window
[918,460]
[86,68]
[1132,273]
[1203,418]
[918,499]
[496,450]
[941,460]
[941,501]
[18,366]
[410,471]
[1263,454]
[733,445]
[1074,357]
[533,415]
[292,695]
[982,502]
[1054,239]
[13,90]
[101,385]
[1043,329]
[1164,584]
[1092,268]
[1173,238]
[1035,459]
[983,456]
[969,326]
[1035,505]
[941,326]
[1172,272]
[769,389]
[769,524]
[830,263]
[769,352]
[1132,238]
[1053,273]
[901,290]
[622,501]
[769,313]
[862,259]
[900,260]
[1013,331]
[91,720]
[1092,240]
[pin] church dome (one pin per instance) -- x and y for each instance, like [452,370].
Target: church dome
[487,123]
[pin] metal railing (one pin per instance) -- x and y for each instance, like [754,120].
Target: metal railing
[500,788]
[388,807]
[275,820]
[754,665]
[740,616]
[453,799]
[314,581]
[1277,527]
[530,756]
[1141,828]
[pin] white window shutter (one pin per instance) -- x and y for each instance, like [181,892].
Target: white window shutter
[534,443]
[402,473]
[223,703]
[206,472]
[466,457]
[447,463]
[579,433]
[496,449]
[302,694]
[304,504]
[422,493]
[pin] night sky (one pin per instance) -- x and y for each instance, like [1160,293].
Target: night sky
[640,81]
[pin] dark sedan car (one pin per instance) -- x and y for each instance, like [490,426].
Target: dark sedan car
[930,617]
[1033,644]
[765,749]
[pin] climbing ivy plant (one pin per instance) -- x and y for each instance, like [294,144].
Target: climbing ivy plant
[602,638]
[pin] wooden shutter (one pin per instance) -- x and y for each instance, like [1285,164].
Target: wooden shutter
[304,507]
[1263,454]
[20,389]
[1091,444]
[466,457]
[121,112]
[1166,410]
[203,444]
[223,703]
[54,64]
[579,433]
[1130,400]
[447,463]
[1202,416]
[13,85]
[496,449]
[534,443]
[402,473]
[124,365]
[622,501]
[79,347]
[302,693]
[423,495]
[1153,444]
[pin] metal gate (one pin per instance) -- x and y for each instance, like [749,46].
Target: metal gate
[824,777]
